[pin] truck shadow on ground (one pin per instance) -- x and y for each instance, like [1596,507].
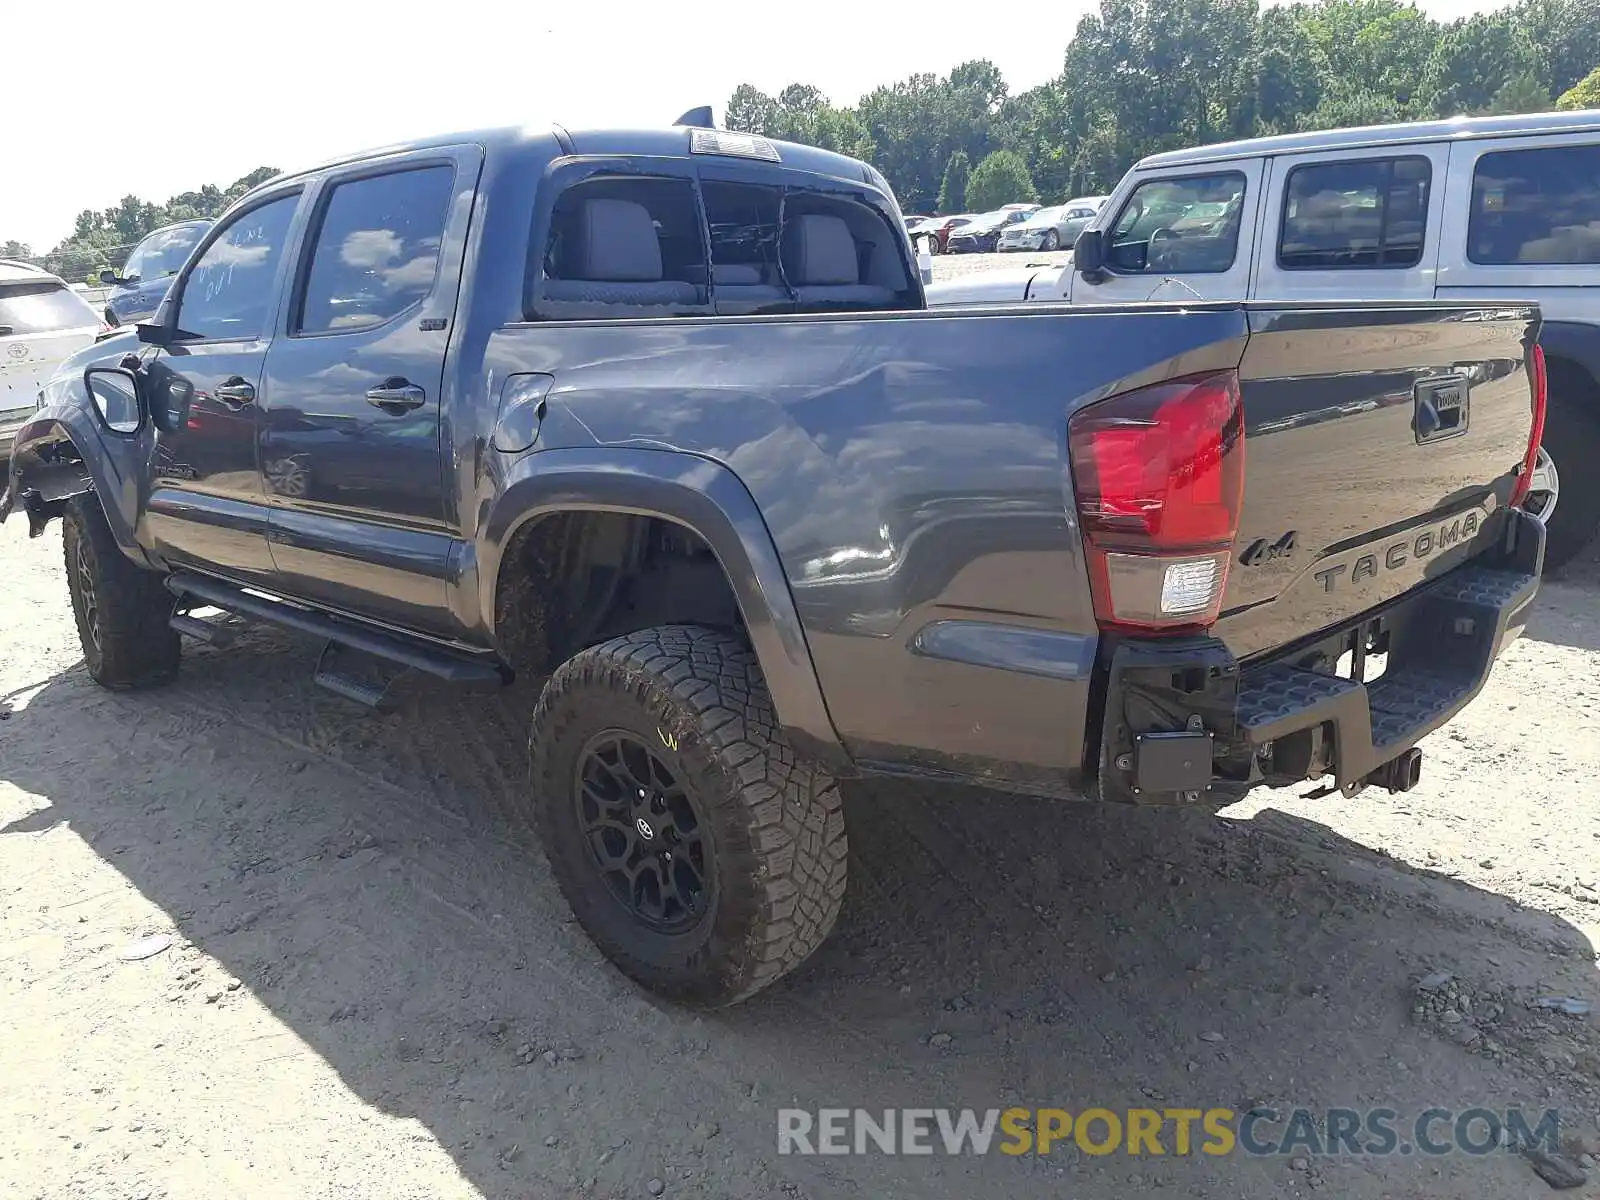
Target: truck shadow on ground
[359,874]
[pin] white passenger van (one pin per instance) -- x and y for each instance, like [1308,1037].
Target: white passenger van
[1487,208]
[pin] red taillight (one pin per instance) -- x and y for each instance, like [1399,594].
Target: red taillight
[1541,398]
[1159,476]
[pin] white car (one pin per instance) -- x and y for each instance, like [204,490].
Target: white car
[42,321]
[1469,209]
[1052,228]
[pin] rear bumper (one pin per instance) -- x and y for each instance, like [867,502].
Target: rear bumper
[1185,719]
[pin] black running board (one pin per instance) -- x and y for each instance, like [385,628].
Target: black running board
[454,667]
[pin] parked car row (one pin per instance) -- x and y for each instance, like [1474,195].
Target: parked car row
[1052,228]
[1010,227]
[1476,209]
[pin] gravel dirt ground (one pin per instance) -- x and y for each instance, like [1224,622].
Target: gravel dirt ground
[362,985]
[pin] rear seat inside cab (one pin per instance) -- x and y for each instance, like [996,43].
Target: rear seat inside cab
[822,264]
[745,287]
[612,255]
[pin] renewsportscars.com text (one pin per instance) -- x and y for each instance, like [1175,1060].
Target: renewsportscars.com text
[1139,1132]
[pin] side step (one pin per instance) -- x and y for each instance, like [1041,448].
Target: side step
[438,661]
[201,631]
[341,683]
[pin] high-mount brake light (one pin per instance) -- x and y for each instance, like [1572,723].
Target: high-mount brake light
[1541,400]
[1159,477]
[734,145]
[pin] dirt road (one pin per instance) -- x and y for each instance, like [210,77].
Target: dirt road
[372,990]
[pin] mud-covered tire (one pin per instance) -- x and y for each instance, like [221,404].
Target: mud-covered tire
[1572,439]
[696,699]
[122,610]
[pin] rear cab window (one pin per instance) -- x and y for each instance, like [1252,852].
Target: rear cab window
[625,246]
[45,306]
[633,245]
[1538,206]
[744,222]
[1355,214]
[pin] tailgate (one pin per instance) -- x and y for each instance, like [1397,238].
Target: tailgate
[1381,445]
[27,361]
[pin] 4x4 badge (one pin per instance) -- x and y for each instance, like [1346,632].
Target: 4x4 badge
[1261,550]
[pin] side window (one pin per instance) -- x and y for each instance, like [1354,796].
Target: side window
[1188,225]
[1536,206]
[376,251]
[1368,212]
[626,242]
[230,291]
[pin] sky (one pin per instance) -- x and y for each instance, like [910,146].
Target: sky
[101,103]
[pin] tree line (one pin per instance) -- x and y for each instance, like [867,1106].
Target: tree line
[1143,76]
[106,237]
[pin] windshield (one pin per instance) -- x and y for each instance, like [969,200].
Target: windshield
[42,308]
[164,251]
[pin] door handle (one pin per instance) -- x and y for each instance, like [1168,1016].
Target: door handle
[235,392]
[396,395]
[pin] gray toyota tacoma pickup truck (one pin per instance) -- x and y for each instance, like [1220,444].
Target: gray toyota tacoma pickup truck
[661,418]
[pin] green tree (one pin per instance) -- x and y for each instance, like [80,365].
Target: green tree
[1142,76]
[106,238]
[15,249]
[1472,60]
[1562,39]
[1520,94]
[1353,109]
[1382,47]
[1001,178]
[750,110]
[1289,71]
[953,189]
[1583,94]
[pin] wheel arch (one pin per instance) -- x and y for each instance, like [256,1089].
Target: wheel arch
[58,455]
[707,500]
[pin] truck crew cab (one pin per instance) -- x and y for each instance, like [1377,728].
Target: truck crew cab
[661,418]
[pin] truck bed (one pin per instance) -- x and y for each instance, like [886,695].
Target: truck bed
[914,473]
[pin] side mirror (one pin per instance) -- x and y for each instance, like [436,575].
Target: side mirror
[109,278]
[116,397]
[1089,254]
[152,334]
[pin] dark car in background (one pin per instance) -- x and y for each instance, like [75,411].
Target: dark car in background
[982,233]
[149,271]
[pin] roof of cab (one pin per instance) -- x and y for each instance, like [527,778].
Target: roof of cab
[1372,136]
[670,142]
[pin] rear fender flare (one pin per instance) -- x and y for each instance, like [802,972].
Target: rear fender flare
[61,453]
[707,498]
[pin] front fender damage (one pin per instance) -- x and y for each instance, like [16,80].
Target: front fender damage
[46,471]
